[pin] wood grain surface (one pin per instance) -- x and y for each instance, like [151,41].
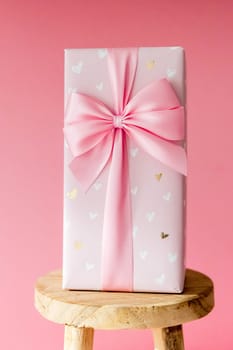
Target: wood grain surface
[111,310]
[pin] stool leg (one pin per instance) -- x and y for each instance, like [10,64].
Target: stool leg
[169,338]
[78,338]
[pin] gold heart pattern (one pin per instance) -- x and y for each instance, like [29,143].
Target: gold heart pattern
[72,194]
[164,235]
[78,245]
[158,176]
[150,64]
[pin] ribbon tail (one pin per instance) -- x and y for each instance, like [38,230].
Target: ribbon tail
[98,157]
[117,250]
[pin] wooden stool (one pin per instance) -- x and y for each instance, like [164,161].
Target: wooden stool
[83,311]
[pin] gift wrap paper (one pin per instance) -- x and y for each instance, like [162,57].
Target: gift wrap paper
[157,192]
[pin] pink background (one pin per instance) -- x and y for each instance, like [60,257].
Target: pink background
[33,35]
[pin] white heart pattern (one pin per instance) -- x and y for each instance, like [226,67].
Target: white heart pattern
[150,216]
[134,190]
[66,225]
[89,266]
[171,72]
[100,86]
[98,186]
[77,68]
[172,257]
[135,230]
[174,48]
[71,90]
[102,53]
[134,152]
[93,215]
[167,196]
[143,254]
[160,279]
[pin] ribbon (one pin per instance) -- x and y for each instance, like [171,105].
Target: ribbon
[97,137]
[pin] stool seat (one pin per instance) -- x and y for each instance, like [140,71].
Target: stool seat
[83,311]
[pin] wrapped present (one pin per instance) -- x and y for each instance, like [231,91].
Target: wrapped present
[124,167]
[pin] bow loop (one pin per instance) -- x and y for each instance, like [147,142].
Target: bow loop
[167,124]
[88,121]
[158,95]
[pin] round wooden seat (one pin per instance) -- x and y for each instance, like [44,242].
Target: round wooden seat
[83,311]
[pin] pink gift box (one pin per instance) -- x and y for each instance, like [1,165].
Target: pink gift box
[156,189]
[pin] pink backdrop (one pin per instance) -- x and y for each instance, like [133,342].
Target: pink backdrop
[33,35]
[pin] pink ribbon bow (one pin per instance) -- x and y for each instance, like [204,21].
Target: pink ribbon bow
[97,137]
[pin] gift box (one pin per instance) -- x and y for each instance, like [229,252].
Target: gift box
[124,169]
